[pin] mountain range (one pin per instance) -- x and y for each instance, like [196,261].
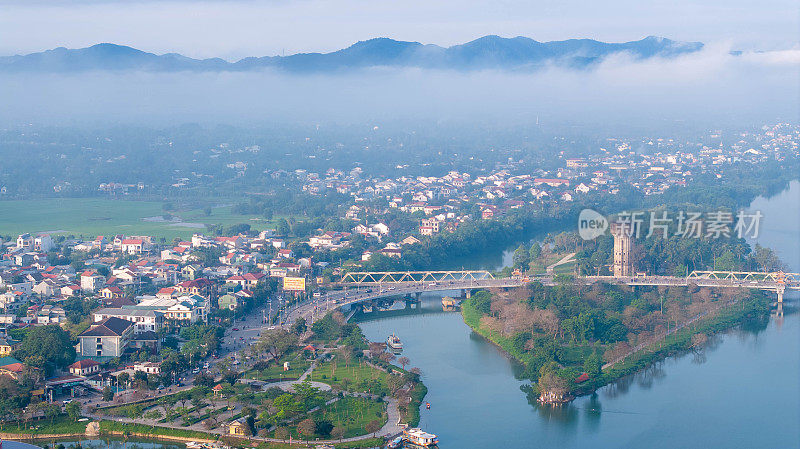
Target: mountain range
[488,52]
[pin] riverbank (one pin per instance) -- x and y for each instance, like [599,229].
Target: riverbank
[55,430]
[725,317]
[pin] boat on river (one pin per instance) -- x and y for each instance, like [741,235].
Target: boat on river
[394,343]
[395,443]
[418,437]
[449,303]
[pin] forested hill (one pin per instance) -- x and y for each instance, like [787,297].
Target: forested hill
[488,52]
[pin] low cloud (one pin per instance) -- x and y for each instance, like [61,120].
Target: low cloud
[708,88]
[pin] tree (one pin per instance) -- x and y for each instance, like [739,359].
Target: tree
[123,378]
[286,405]
[323,427]
[47,347]
[766,259]
[108,394]
[535,251]
[275,342]
[203,379]
[522,258]
[593,364]
[373,426]
[307,393]
[282,433]
[307,427]
[282,227]
[403,361]
[337,432]
[299,326]
[73,410]
[51,411]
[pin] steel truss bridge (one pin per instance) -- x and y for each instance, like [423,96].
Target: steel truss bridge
[404,277]
[367,286]
[392,283]
[791,279]
[776,281]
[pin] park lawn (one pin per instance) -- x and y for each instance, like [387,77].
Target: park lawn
[353,414]
[95,216]
[60,425]
[298,364]
[333,373]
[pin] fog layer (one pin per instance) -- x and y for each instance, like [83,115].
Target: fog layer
[710,88]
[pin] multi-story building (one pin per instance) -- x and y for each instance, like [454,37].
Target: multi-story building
[107,338]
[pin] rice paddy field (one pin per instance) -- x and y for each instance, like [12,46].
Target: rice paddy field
[92,216]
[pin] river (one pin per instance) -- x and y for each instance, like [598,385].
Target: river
[741,391]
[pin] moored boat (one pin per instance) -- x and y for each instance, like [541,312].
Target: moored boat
[394,343]
[395,443]
[419,437]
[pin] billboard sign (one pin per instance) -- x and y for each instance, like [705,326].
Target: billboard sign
[294,284]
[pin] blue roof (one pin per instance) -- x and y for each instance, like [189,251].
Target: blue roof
[8,360]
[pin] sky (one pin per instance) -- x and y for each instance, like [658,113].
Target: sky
[707,88]
[233,29]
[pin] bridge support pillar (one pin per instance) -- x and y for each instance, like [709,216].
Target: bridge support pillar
[780,291]
[417,296]
[466,293]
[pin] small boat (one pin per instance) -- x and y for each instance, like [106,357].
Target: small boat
[394,342]
[194,445]
[419,437]
[395,443]
[428,405]
[448,303]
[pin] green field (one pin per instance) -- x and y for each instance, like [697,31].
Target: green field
[92,216]
[356,373]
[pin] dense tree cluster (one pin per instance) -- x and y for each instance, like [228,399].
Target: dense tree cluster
[570,329]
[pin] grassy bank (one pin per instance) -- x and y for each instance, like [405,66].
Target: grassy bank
[143,429]
[59,425]
[417,395]
[472,317]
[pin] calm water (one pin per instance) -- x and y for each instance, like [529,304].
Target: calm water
[740,392]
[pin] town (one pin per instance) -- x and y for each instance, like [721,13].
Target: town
[126,327]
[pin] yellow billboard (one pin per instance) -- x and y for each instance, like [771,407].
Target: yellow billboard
[294,284]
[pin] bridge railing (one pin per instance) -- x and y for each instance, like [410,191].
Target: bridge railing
[399,277]
[774,276]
